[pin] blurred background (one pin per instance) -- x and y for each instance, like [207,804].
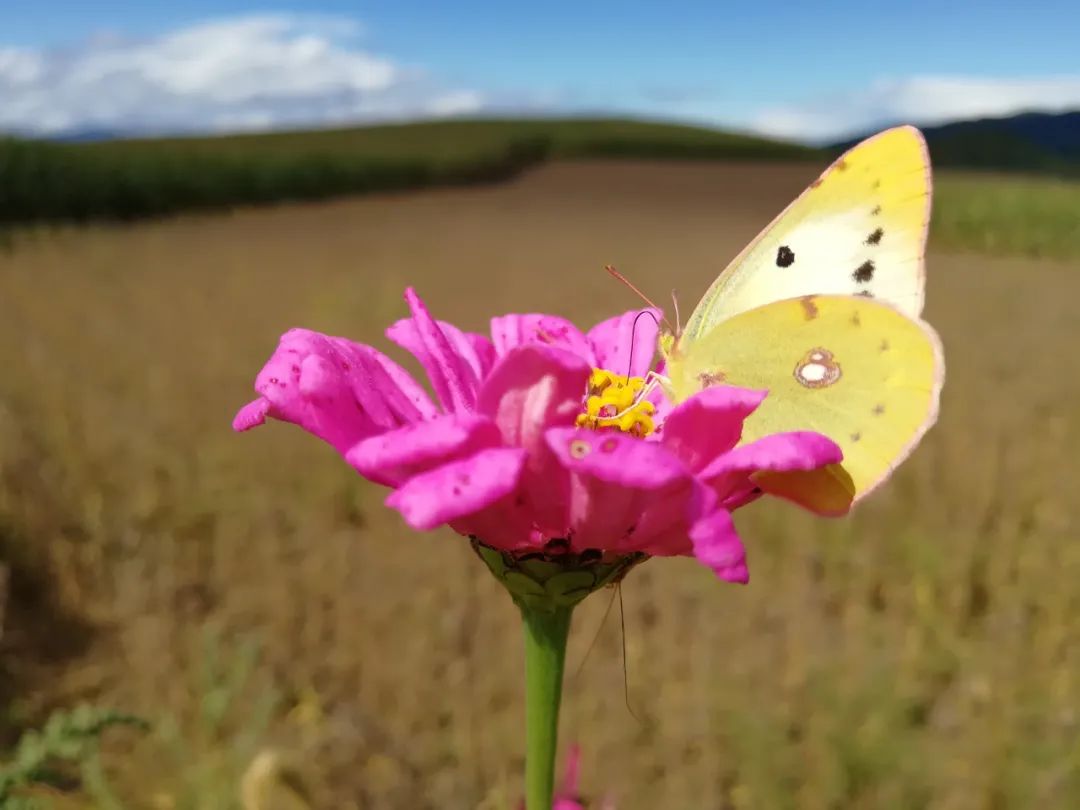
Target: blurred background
[182,182]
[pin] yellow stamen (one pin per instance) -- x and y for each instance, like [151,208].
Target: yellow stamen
[610,403]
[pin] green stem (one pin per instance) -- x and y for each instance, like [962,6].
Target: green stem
[545,655]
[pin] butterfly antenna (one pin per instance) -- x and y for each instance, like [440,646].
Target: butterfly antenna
[678,320]
[596,635]
[625,668]
[633,331]
[623,279]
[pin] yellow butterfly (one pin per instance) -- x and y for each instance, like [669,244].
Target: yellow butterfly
[822,309]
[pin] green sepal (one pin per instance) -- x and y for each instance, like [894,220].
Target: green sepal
[548,582]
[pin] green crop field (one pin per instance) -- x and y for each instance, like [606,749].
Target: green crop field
[42,181]
[1008,215]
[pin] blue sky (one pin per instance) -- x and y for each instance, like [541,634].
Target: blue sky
[803,71]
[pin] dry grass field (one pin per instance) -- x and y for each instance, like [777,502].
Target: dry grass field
[249,592]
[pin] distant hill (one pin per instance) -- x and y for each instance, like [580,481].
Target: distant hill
[86,135]
[94,179]
[557,137]
[1029,142]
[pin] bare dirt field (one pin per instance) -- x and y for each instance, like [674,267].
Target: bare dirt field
[924,652]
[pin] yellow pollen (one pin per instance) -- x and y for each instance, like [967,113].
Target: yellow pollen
[610,403]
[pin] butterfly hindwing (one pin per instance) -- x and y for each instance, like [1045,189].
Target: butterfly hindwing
[860,228]
[852,368]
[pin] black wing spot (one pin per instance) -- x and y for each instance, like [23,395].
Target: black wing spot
[864,272]
[865,294]
[876,185]
[875,237]
[879,409]
[856,436]
[884,347]
[785,257]
[875,210]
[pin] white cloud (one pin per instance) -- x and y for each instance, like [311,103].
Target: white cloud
[458,102]
[240,73]
[917,100]
[20,66]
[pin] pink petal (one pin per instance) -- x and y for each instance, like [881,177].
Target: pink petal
[512,331]
[626,343]
[403,380]
[506,524]
[482,350]
[458,489]
[571,775]
[450,360]
[335,389]
[780,452]
[615,457]
[476,350]
[251,415]
[531,389]
[393,457]
[664,528]
[709,424]
[621,493]
[717,545]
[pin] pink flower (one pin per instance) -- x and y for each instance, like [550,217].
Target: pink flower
[568,797]
[513,452]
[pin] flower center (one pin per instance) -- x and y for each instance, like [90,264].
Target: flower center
[610,403]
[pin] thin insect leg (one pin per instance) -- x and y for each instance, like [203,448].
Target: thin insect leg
[652,380]
[596,636]
[625,668]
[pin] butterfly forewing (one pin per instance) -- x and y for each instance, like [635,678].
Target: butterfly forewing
[859,229]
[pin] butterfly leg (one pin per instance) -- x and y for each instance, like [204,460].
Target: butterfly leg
[652,380]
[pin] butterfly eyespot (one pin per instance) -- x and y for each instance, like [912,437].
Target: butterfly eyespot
[864,272]
[785,257]
[817,369]
[875,237]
